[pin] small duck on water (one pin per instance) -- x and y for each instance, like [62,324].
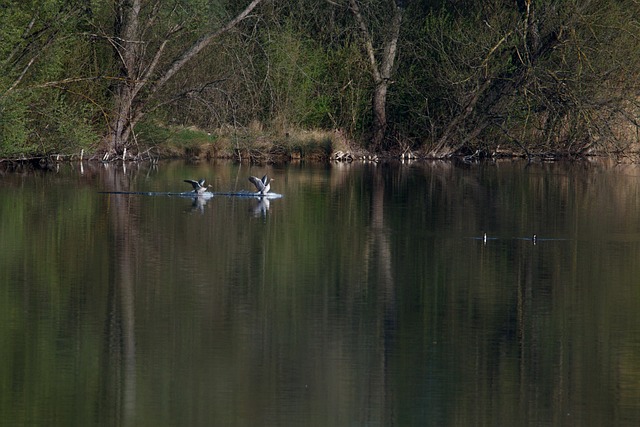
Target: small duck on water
[534,238]
[262,185]
[198,186]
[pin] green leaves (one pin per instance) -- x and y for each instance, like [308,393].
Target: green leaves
[13,127]
[43,49]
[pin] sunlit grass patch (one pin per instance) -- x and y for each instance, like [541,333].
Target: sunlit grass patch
[254,143]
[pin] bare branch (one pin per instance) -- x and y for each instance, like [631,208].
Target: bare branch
[199,45]
[368,40]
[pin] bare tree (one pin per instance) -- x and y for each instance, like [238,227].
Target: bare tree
[531,76]
[143,74]
[381,66]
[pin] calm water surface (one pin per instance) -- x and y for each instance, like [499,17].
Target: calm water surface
[365,296]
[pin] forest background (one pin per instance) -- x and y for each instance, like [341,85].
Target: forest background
[217,77]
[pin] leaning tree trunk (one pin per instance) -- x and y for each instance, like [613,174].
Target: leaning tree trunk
[140,75]
[381,69]
[487,105]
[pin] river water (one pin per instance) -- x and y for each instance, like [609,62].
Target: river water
[366,295]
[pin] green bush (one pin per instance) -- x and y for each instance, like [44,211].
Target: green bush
[14,134]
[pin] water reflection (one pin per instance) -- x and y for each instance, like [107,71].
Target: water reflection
[368,295]
[261,206]
[199,203]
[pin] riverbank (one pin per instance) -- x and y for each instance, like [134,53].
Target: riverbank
[256,145]
[252,144]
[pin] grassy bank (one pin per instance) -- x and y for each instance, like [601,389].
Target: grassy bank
[255,144]
[252,144]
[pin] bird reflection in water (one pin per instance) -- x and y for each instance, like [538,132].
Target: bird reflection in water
[261,207]
[199,203]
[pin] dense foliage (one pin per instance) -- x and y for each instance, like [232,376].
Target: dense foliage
[526,76]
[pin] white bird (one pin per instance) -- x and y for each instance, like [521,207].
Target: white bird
[198,186]
[262,185]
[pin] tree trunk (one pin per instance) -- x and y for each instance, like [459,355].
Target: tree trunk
[138,72]
[127,50]
[120,125]
[381,69]
[379,114]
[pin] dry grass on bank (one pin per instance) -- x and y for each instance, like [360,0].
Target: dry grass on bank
[253,144]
